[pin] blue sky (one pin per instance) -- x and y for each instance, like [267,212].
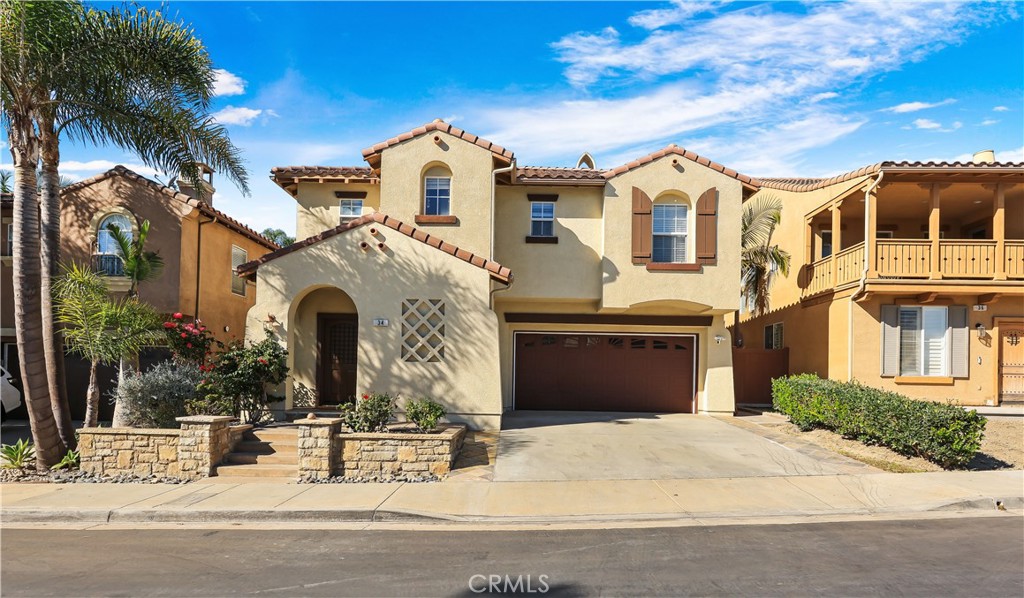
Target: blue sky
[770,89]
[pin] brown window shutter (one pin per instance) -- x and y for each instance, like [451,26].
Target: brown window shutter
[707,227]
[890,340]
[959,337]
[642,207]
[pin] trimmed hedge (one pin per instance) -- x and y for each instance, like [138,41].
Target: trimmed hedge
[942,433]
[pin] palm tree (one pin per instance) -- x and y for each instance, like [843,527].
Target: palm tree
[761,261]
[5,181]
[139,265]
[125,77]
[100,329]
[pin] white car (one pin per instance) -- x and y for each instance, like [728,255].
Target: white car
[10,397]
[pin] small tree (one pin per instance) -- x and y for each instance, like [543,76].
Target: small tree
[139,265]
[760,260]
[278,236]
[100,329]
[239,379]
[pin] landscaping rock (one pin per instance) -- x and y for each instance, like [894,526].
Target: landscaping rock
[385,478]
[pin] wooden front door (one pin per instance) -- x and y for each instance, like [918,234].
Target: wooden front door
[1011,361]
[337,352]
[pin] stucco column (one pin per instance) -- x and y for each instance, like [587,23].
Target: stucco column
[871,249]
[837,239]
[999,230]
[719,392]
[203,442]
[317,448]
[933,233]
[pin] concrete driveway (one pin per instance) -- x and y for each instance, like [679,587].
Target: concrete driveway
[557,445]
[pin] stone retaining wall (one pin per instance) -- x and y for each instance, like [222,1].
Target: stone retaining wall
[324,452]
[190,453]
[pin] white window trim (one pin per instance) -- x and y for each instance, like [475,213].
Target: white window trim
[450,194]
[9,245]
[352,203]
[542,219]
[234,271]
[685,235]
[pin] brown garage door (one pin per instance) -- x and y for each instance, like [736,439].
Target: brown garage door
[590,372]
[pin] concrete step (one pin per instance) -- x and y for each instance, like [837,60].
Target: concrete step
[274,435]
[258,471]
[243,458]
[264,447]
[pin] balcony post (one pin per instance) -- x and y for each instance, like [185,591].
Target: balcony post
[837,239]
[870,247]
[933,233]
[999,231]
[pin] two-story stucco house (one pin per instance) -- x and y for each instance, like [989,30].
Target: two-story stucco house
[199,244]
[906,276]
[444,269]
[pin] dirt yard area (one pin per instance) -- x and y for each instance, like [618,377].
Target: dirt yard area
[1001,448]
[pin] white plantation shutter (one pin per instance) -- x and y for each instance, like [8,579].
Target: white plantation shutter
[959,342]
[933,341]
[910,341]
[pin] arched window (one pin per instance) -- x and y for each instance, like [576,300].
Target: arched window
[437,191]
[108,255]
[670,228]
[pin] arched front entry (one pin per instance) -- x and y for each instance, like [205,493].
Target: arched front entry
[325,348]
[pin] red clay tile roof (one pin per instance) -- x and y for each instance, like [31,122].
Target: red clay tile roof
[685,153]
[203,207]
[550,175]
[810,184]
[371,154]
[321,172]
[497,271]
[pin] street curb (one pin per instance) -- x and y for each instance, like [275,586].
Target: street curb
[129,515]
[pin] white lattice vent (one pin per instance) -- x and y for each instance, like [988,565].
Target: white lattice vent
[423,330]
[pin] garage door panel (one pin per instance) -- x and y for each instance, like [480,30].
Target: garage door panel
[604,372]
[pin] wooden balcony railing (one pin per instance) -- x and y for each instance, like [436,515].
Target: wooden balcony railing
[1014,259]
[903,258]
[958,259]
[849,264]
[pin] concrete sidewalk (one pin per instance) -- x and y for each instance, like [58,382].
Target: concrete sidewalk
[512,502]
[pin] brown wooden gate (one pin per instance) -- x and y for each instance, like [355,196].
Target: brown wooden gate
[592,372]
[753,370]
[337,354]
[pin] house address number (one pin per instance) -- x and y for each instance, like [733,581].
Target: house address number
[382,322]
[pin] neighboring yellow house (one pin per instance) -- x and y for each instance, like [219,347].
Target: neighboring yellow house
[931,305]
[447,270]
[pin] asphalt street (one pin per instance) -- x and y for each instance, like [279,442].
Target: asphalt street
[947,557]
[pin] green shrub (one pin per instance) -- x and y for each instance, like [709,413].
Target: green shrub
[156,397]
[236,382]
[944,434]
[69,461]
[370,413]
[20,455]
[425,413]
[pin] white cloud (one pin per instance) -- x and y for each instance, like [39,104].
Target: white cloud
[661,17]
[989,121]
[237,115]
[1011,155]
[1000,109]
[226,83]
[924,123]
[916,106]
[91,167]
[819,97]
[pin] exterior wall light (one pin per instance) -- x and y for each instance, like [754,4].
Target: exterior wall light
[718,339]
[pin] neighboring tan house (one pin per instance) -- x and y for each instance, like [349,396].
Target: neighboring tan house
[938,311]
[200,247]
[622,280]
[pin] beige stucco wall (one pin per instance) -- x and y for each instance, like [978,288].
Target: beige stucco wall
[625,285]
[82,209]
[570,269]
[317,208]
[467,381]
[219,307]
[401,188]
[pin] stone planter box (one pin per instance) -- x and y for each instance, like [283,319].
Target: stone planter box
[189,453]
[325,451]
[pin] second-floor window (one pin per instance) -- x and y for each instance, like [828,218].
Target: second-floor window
[542,219]
[438,196]
[826,243]
[238,257]
[351,209]
[108,253]
[669,242]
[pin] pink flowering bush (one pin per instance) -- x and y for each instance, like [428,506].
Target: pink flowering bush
[189,342]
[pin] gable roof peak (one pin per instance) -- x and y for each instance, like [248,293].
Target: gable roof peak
[372,153]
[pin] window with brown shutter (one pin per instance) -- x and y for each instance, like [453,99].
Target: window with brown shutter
[642,206]
[707,227]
